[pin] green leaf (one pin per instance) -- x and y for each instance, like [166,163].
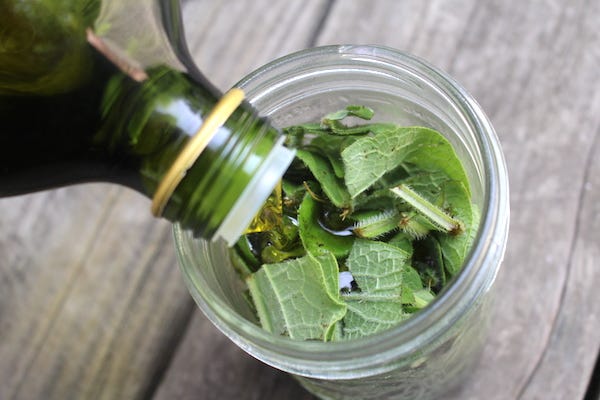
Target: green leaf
[242,257]
[454,198]
[339,128]
[415,148]
[411,278]
[402,241]
[331,146]
[331,185]
[423,297]
[379,270]
[335,116]
[366,317]
[298,298]
[377,267]
[362,112]
[374,224]
[315,239]
[455,248]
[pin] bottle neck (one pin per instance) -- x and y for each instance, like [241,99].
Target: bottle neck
[157,119]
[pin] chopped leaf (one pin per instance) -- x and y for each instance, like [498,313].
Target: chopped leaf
[242,257]
[331,185]
[360,111]
[371,157]
[379,270]
[402,241]
[456,248]
[436,216]
[423,297]
[331,146]
[375,224]
[315,239]
[352,110]
[377,267]
[298,298]
[338,128]
[377,219]
[365,318]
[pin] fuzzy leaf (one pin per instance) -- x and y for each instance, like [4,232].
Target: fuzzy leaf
[299,297]
[379,270]
[416,148]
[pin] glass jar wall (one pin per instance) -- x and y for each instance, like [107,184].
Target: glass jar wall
[433,350]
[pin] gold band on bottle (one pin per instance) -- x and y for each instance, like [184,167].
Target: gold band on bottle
[192,150]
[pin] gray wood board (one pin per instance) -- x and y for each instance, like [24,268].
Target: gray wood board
[92,304]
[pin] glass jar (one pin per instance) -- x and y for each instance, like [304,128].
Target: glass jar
[433,351]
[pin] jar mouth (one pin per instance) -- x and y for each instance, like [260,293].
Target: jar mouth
[376,353]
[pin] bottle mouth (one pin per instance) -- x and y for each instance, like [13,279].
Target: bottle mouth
[255,194]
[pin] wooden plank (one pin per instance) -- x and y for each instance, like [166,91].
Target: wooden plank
[92,301]
[230,39]
[85,315]
[430,29]
[209,367]
[564,371]
[547,133]
[530,66]
[37,262]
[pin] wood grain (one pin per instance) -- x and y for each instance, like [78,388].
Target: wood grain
[230,39]
[564,370]
[92,301]
[92,305]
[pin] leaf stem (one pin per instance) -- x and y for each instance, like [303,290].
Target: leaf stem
[436,216]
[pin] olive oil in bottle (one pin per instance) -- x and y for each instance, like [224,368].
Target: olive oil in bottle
[105,90]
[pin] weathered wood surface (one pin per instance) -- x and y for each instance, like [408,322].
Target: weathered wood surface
[92,305]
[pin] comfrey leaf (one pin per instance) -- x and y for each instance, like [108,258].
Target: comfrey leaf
[436,216]
[298,298]
[377,267]
[366,317]
[386,208]
[455,248]
[379,270]
[416,148]
[331,185]
[374,224]
[331,146]
[362,112]
[454,199]
[315,239]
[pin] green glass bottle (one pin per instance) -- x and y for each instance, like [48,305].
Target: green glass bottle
[105,90]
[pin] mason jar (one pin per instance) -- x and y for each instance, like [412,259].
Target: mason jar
[434,350]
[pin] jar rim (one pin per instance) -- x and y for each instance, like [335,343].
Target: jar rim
[375,353]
